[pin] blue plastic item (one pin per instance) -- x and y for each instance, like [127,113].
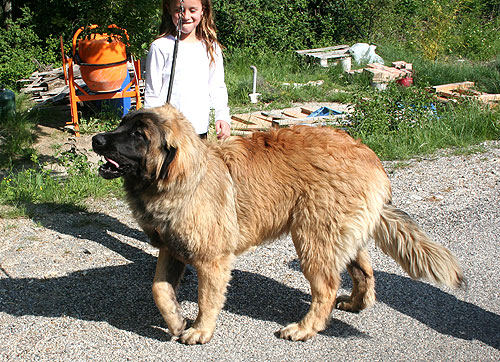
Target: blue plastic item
[120,105]
[324,111]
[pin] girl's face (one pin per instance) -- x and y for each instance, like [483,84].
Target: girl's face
[193,11]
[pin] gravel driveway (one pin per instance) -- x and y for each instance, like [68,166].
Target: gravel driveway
[77,286]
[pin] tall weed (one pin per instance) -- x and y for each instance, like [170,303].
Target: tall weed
[39,184]
[399,123]
[16,135]
[486,75]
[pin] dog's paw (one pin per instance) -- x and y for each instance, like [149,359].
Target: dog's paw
[294,332]
[196,336]
[344,302]
[176,328]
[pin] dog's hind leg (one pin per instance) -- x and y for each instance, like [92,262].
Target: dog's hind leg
[363,289]
[319,269]
[213,277]
[166,280]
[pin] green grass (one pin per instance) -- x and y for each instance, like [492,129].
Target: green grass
[486,75]
[273,72]
[398,123]
[108,119]
[21,189]
[17,135]
[401,122]
[25,181]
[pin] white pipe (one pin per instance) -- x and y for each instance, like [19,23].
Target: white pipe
[254,86]
[254,95]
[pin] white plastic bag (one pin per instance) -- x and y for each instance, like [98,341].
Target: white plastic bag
[363,53]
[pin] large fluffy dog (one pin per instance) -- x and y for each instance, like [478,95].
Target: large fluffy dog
[203,204]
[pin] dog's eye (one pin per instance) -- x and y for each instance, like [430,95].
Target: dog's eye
[138,133]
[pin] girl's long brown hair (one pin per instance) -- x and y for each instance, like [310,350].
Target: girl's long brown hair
[206,31]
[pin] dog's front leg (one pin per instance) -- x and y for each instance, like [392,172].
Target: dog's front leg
[213,277]
[167,277]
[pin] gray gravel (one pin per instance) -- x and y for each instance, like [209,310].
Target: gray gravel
[77,286]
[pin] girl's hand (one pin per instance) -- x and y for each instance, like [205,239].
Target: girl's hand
[222,129]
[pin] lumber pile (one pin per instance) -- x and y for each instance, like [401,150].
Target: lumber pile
[463,90]
[244,124]
[49,87]
[383,74]
[46,87]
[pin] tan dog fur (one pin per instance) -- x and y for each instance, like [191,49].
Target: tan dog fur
[327,190]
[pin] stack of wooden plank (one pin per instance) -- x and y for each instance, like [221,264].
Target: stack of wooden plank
[45,86]
[463,90]
[244,124]
[327,54]
[49,87]
[384,74]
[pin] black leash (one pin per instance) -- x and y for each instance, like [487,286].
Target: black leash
[176,46]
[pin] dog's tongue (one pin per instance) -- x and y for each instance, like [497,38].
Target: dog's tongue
[114,163]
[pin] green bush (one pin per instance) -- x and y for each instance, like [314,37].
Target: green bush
[392,111]
[458,28]
[440,29]
[283,25]
[63,18]
[20,49]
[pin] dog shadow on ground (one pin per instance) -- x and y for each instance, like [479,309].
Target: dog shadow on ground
[433,307]
[121,294]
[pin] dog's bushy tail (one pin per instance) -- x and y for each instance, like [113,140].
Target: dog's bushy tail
[402,239]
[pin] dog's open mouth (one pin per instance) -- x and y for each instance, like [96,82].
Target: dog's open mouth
[111,169]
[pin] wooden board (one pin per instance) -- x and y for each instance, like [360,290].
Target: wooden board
[238,126]
[452,86]
[251,118]
[294,114]
[307,110]
[322,50]
[242,124]
[490,97]
[324,55]
[286,122]
[461,90]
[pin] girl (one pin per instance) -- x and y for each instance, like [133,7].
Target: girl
[199,71]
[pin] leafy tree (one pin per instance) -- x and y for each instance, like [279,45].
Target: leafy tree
[21,49]
[55,18]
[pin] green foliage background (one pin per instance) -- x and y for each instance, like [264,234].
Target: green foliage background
[437,29]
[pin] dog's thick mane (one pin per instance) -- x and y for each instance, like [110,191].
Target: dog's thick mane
[176,152]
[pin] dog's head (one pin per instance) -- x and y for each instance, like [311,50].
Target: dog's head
[149,144]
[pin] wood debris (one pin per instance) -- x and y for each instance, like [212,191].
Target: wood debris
[383,74]
[44,87]
[463,90]
[244,124]
[50,87]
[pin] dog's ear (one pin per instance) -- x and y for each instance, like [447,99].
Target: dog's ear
[170,153]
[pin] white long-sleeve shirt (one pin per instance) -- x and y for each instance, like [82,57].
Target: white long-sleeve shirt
[197,87]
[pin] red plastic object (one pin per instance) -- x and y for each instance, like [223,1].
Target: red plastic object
[405,82]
